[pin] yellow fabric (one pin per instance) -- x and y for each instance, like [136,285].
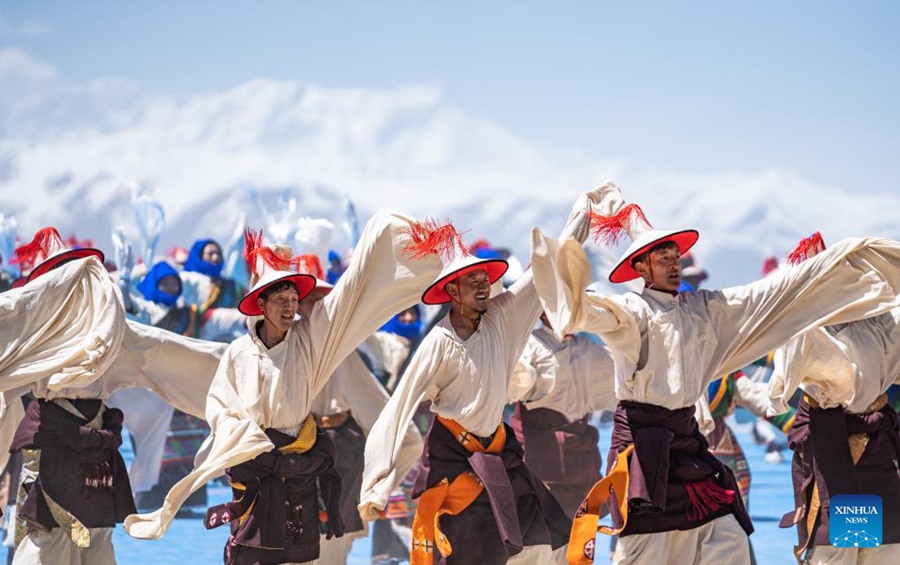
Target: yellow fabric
[584,526]
[448,498]
[306,438]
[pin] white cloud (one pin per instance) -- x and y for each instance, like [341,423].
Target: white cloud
[69,150]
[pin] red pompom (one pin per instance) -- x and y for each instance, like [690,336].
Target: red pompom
[429,238]
[808,247]
[309,265]
[255,252]
[41,245]
[610,229]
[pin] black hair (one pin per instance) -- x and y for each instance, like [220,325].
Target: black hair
[278,287]
[642,258]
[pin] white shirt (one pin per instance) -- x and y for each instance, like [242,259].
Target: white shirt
[353,387]
[258,388]
[573,376]
[465,380]
[846,366]
[667,349]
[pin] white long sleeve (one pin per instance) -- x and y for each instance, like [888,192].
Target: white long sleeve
[668,348]
[844,366]
[466,380]
[257,387]
[573,376]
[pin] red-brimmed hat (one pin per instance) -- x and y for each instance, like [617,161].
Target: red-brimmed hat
[629,220]
[47,250]
[270,268]
[430,238]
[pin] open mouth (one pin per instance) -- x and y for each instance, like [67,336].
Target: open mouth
[287,317]
[481,296]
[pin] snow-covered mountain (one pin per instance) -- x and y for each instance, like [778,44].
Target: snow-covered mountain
[68,153]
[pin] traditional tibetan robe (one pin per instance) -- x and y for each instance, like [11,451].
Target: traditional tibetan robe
[68,342]
[478,502]
[845,437]
[737,389]
[346,410]
[258,391]
[559,383]
[668,348]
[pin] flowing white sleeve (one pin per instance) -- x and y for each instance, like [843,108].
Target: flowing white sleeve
[367,400]
[561,275]
[234,438]
[380,281]
[854,279]
[66,326]
[385,441]
[179,369]
[751,395]
[519,306]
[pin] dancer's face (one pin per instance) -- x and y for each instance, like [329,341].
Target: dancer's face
[472,290]
[279,308]
[662,268]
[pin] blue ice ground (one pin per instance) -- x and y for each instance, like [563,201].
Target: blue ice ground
[188,542]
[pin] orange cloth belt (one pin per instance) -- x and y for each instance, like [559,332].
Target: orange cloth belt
[448,497]
[586,523]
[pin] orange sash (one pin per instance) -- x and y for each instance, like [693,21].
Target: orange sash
[448,497]
[585,525]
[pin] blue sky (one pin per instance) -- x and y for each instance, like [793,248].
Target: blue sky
[688,87]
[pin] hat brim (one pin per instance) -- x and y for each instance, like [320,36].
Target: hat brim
[68,255]
[436,294]
[623,272]
[304,283]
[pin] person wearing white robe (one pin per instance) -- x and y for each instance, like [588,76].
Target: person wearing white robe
[850,367]
[668,346]
[351,397]
[257,387]
[559,383]
[464,368]
[65,337]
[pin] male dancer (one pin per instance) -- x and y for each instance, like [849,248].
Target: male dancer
[673,501]
[845,436]
[478,502]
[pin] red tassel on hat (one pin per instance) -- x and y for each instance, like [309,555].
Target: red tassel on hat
[309,265]
[808,247]
[255,251]
[41,244]
[429,238]
[611,228]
